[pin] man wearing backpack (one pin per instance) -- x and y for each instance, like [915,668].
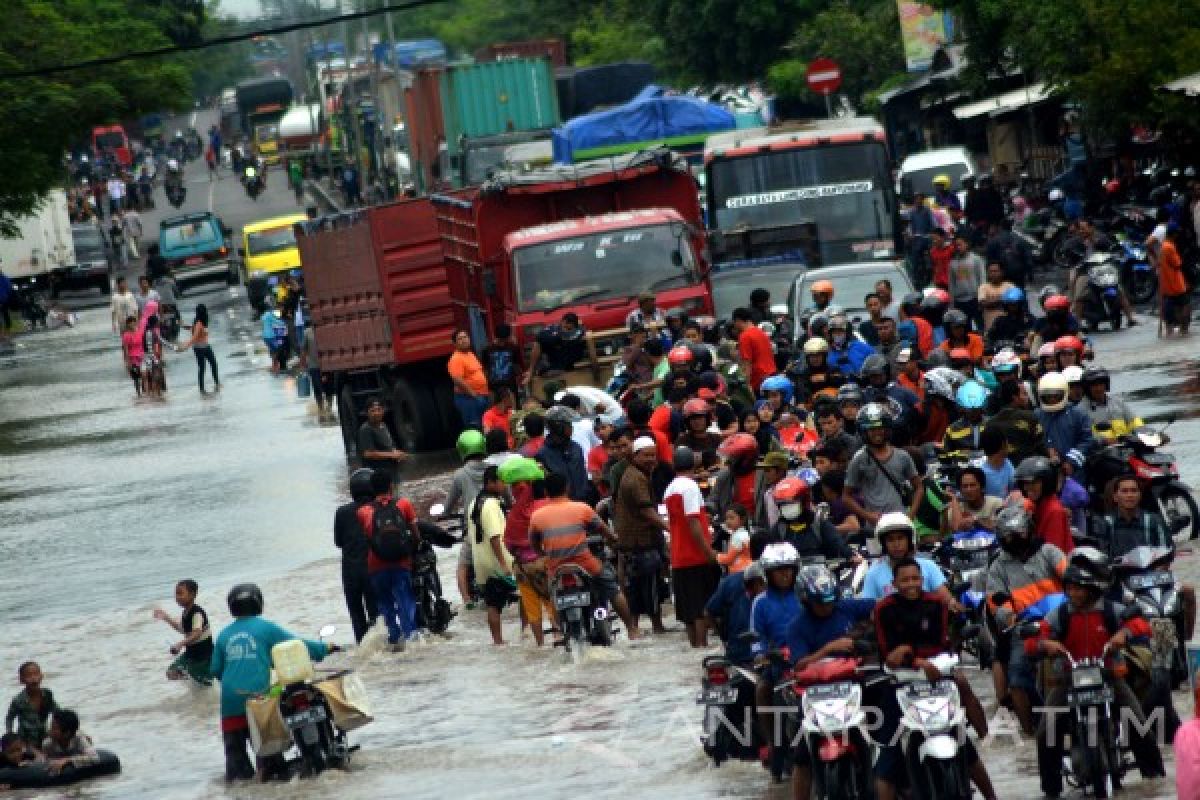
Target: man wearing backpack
[390,525]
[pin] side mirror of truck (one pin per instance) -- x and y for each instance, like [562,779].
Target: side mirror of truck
[225,229]
[676,258]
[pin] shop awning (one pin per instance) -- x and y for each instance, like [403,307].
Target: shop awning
[1004,103]
[1188,85]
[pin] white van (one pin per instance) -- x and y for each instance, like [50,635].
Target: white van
[919,169]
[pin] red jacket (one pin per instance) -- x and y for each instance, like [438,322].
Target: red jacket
[1084,633]
[1052,522]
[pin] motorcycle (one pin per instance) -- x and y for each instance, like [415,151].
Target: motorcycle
[32,304]
[965,557]
[1162,490]
[176,193]
[1137,276]
[834,729]
[932,726]
[727,694]
[254,186]
[584,616]
[1145,575]
[1102,303]
[316,714]
[433,610]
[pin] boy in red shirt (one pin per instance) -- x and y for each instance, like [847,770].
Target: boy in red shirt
[754,349]
[500,414]
[391,580]
[941,253]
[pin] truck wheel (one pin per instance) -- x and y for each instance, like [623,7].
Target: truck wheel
[415,416]
[348,417]
[105,286]
[233,277]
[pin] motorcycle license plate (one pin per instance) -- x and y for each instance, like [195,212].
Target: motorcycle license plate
[576,600]
[922,689]
[718,695]
[828,691]
[1151,580]
[193,260]
[308,716]
[1091,697]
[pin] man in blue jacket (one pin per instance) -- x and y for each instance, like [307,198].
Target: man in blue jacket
[846,351]
[242,662]
[561,454]
[731,604]
[1068,427]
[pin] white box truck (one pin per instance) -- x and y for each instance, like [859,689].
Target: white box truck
[43,245]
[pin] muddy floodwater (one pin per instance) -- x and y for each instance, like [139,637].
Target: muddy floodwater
[108,501]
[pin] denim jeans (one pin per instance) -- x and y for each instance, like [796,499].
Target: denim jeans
[394,596]
[470,409]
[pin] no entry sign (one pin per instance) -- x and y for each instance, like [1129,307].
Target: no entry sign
[824,76]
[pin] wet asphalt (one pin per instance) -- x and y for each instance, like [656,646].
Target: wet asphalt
[108,500]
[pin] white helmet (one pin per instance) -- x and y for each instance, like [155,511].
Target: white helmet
[778,556]
[896,522]
[1052,391]
[1055,195]
[815,345]
[1073,374]
[172,164]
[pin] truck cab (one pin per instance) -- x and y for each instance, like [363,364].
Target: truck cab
[196,249]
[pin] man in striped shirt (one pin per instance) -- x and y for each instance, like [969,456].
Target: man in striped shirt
[559,530]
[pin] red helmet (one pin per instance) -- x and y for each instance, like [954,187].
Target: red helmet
[739,447]
[960,354]
[1057,302]
[942,296]
[695,408]
[1064,343]
[791,490]
[681,355]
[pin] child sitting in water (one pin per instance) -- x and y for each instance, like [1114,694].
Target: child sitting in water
[66,746]
[31,708]
[194,650]
[14,752]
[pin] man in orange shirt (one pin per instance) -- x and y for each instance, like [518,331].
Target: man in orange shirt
[754,348]
[470,382]
[1177,297]
[558,530]
[500,414]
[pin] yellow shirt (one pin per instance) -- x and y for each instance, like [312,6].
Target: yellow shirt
[483,556]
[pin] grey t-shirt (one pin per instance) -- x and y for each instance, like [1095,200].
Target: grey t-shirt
[878,493]
[310,349]
[372,438]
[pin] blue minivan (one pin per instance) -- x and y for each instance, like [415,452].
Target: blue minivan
[196,249]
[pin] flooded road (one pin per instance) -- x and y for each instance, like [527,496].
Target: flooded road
[108,501]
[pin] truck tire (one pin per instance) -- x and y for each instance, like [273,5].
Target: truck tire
[415,416]
[348,417]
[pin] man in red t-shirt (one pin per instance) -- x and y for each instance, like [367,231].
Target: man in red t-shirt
[754,349]
[391,580]
[694,570]
[500,414]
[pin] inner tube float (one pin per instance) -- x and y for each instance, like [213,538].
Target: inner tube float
[34,776]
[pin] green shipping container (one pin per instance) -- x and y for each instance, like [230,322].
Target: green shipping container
[497,97]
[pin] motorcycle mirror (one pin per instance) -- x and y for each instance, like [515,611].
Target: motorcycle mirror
[437,509]
[779,309]
[327,631]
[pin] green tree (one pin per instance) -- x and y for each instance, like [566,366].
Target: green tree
[41,117]
[863,37]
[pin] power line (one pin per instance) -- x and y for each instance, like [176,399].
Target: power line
[219,41]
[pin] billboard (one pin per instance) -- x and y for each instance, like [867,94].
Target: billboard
[923,31]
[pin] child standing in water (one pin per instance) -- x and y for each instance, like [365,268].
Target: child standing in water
[194,650]
[32,707]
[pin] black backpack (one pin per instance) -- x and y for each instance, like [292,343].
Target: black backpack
[392,538]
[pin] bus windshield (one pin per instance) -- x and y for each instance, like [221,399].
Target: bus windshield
[599,266]
[845,189]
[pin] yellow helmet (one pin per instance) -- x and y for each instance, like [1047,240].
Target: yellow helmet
[942,180]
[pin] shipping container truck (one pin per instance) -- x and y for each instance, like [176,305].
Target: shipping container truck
[426,131]
[553,49]
[387,287]
[489,107]
[262,102]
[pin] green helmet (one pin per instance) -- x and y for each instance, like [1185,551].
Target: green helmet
[521,468]
[470,443]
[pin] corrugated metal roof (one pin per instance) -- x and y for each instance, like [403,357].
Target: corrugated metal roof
[1187,85]
[1004,103]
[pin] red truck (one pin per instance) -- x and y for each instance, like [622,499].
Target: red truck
[387,287]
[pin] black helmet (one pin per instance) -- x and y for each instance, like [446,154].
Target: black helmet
[874,415]
[1088,567]
[702,357]
[560,420]
[937,358]
[1096,375]
[850,393]
[245,600]
[874,364]
[360,484]
[911,302]
[685,458]
[1013,520]
[954,317]
[1038,468]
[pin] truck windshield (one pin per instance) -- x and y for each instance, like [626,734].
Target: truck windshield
[89,245]
[110,140]
[480,162]
[921,180]
[266,133]
[271,240]
[597,266]
[845,189]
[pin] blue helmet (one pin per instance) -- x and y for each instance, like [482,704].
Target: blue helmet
[971,395]
[1013,295]
[779,383]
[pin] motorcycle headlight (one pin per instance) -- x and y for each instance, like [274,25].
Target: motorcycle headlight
[1087,677]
